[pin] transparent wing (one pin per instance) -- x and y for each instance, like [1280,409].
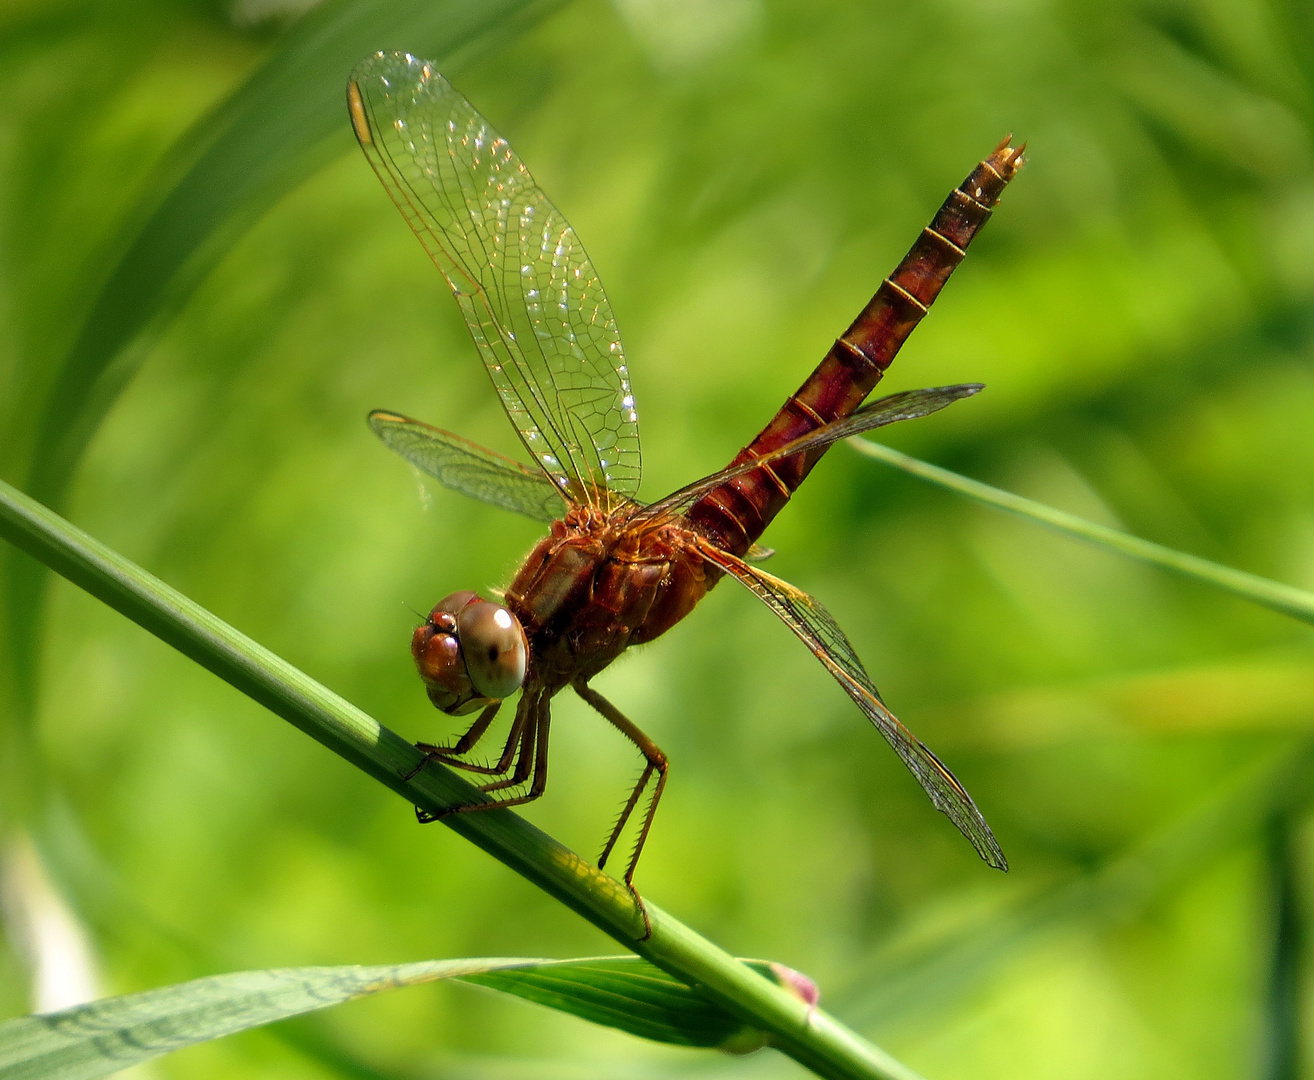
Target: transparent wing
[529,293]
[463,466]
[818,631]
[907,405]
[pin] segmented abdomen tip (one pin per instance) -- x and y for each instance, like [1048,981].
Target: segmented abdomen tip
[1006,158]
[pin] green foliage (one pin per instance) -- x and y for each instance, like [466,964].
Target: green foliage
[1298,603]
[628,993]
[779,1002]
[282,124]
[113,1034]
[107,1036]
[1140,309]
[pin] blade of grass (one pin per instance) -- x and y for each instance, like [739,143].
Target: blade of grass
[1287,599]
[628,993]
[802,1031]
[105,1036]
[658,1006]
[1281,1041]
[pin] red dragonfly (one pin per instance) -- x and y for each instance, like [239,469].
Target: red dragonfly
[613,572]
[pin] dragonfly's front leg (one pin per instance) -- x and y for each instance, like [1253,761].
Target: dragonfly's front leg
[463,745]
[531,728]
[467,742]
[656,763]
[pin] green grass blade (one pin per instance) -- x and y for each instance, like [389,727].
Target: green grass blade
[103,1037]
[628,993]
[106,1036]
[1287,599]
[800,1030]
[1282,1019]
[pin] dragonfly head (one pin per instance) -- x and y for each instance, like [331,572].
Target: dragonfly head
[469,652]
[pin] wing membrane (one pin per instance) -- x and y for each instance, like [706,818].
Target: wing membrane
[529,293]
[815,627]
[468,468]
[908,405]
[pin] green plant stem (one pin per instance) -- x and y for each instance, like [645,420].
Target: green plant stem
[810,1036]
[1281,1021]
[1287,599]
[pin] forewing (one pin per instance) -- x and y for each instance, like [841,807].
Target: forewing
[907,405]
[819,632]
[529,293]
[463,466]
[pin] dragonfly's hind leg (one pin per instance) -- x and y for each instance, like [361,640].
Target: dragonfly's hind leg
[656,763]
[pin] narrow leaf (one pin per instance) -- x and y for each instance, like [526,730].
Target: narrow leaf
[103,1037]
[628,993]
[1287,599]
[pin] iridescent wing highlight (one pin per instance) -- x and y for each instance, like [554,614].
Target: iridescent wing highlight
[815,627]
[529,293]
[466,467]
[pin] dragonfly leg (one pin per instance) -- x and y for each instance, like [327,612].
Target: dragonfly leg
[443,753]
[533,745]
[656,763]
[524,762]
[513,739]
[462,745]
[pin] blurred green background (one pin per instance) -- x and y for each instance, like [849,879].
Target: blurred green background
[743,172]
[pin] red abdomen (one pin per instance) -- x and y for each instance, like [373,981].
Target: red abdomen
[735,513]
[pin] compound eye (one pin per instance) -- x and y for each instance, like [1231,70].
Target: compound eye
[438,656]
[494,649]
[454,602]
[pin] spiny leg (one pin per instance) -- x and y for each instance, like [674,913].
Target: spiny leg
[463,745]
[656,763]
[622,819]
[519,725]
[537,737]
[524,761]
[508,749]
[535,744]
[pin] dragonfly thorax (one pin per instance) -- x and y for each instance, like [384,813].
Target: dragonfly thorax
[593,587]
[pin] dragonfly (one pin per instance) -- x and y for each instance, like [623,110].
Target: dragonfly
[613,572]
